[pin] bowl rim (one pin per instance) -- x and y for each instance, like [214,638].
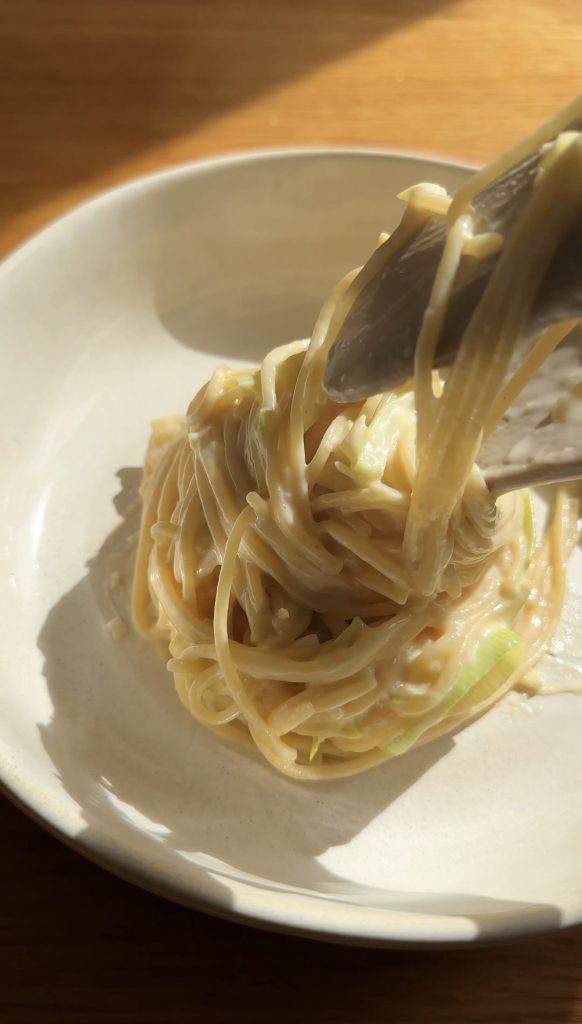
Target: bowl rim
[184,168]
[326,920]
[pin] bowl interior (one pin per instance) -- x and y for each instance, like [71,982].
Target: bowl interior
[114,316]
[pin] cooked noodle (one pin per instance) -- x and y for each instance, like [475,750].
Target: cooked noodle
[335,583]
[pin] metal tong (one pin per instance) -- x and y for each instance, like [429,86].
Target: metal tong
[375,347]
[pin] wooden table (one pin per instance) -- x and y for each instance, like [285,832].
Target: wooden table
[95,91]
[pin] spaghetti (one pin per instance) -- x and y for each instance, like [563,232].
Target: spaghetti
[335,583]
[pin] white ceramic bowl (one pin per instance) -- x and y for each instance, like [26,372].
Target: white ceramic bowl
[112,316]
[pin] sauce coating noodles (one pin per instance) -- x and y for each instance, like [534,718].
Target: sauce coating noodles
[335,583]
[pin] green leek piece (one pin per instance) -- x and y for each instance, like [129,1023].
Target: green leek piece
[314,747]
[497,657]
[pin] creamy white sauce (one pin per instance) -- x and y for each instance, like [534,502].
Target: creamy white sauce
[542,427]
[568,407]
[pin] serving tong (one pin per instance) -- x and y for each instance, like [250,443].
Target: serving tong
[539,438]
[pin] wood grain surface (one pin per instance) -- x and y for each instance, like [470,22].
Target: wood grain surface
[93,92]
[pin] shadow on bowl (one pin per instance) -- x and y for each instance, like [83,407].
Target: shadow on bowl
[171,806]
